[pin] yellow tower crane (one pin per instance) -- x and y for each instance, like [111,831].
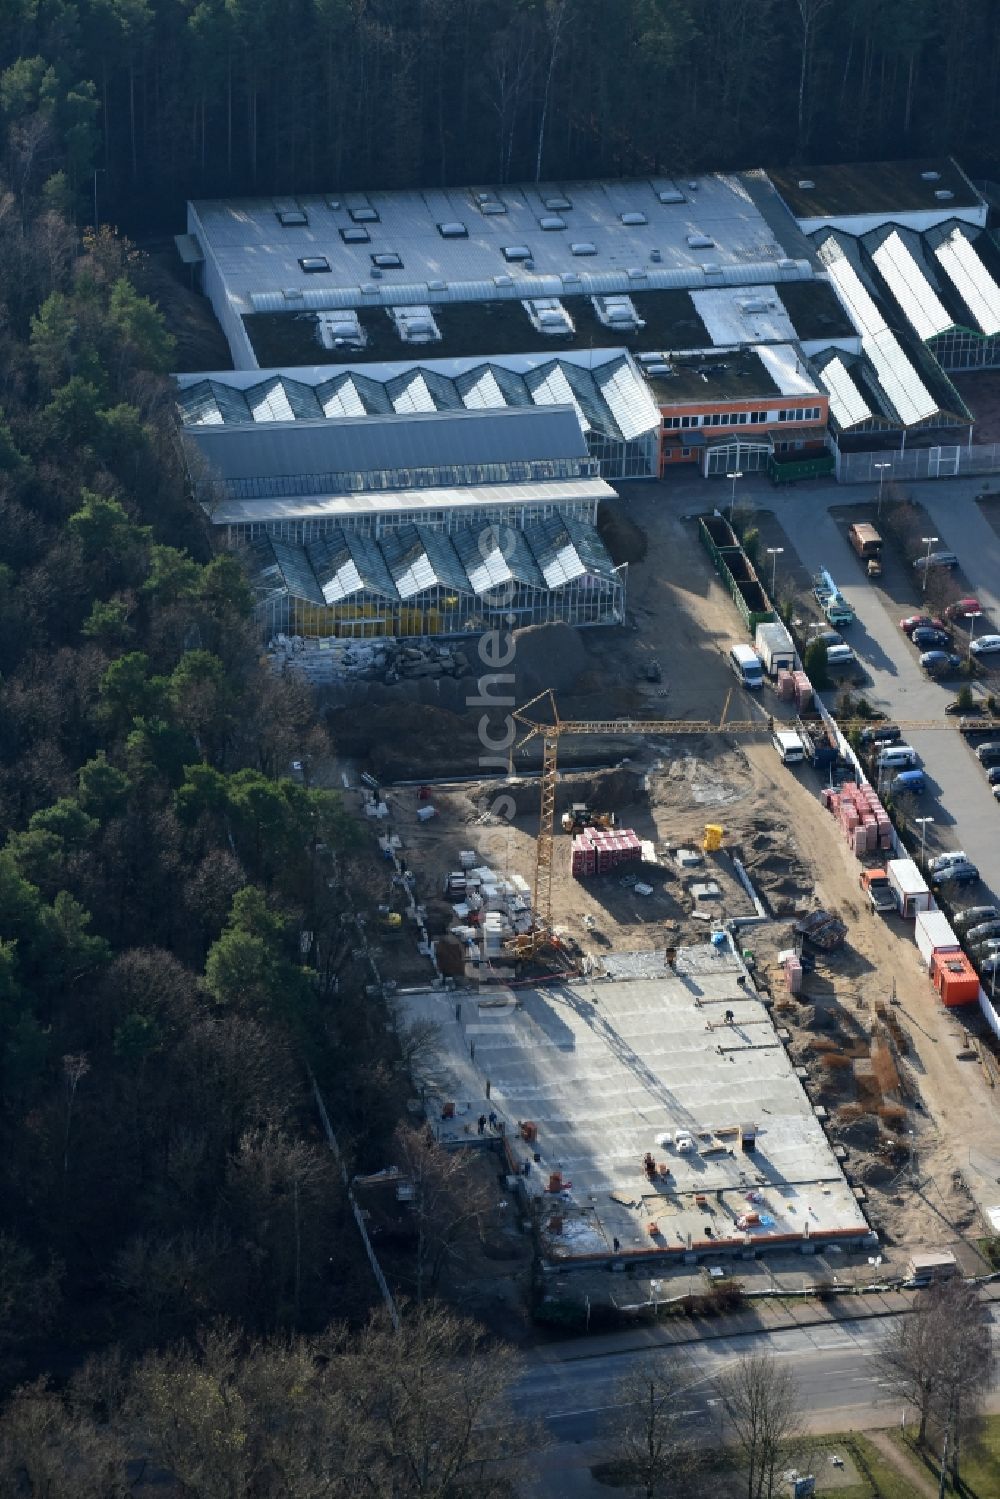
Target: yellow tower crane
[550,733]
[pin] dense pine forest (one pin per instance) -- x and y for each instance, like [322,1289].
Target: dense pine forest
[154,101]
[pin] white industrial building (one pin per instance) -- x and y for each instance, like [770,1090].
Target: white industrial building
[439,363]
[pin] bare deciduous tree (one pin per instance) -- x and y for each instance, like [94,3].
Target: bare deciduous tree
[907,1360]
[761,1402]
[449,1203]
[435,1406]
[650,1442]
[940,1359]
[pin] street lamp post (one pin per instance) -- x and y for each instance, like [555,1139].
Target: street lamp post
[881,477]
[923,821]
[774,553]
[929,540]
[972,617]
[736,474]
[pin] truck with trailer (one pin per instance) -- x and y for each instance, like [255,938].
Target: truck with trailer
[868,544]
[775,648]
[910,887]
[828,596]
[879,890]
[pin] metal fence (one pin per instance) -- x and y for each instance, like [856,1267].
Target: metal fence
[945,462]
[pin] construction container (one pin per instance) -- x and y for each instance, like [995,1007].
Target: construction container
[909,885]
[712,840]
[786,685]
[955,979]
[773,645]
[933,934]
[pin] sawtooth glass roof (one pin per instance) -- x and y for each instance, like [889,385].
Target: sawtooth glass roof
[610,396]
[904,388]
[847,405]
[409,561]
[958,258]
[909,285]
[346,563]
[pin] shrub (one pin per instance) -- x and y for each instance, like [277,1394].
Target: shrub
[751,544]
[815,665]
[965,699]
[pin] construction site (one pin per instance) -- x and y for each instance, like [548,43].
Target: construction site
[634,1017]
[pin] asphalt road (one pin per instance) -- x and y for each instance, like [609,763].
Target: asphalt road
[572,1389]
[965,812]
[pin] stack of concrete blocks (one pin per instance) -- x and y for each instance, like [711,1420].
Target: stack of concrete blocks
[862,817]
[490,910]
[803,691]
[599,850]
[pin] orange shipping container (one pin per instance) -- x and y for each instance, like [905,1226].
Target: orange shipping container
[954,977]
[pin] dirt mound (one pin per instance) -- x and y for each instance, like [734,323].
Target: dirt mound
[546,656]
[625,541]
[861,1133]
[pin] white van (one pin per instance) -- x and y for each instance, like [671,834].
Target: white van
[898,757]
[746,665]
[789,747]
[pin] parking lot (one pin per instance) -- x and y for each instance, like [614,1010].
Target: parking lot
[958,796]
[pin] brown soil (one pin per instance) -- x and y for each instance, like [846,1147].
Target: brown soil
[942,1126]
[981,393]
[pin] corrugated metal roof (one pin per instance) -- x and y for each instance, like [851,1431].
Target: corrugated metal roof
[557,492]
[377,443]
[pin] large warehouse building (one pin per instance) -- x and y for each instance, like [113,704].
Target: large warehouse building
[454,359]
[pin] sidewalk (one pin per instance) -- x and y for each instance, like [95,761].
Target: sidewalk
[764,1316]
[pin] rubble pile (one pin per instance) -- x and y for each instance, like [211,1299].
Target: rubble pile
[384,659]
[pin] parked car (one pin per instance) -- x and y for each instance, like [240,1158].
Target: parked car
[839,656]
[974,916]
[993,775]
[986,645]
[996,792]
[930,638]
[955,856]
[956,874]
[908,783]
[989,967]
[881,733]
[982,930]
[935,559]
[988,754]
[828,637]
[940,663]
[920,621]
[962,607]
[986,949]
